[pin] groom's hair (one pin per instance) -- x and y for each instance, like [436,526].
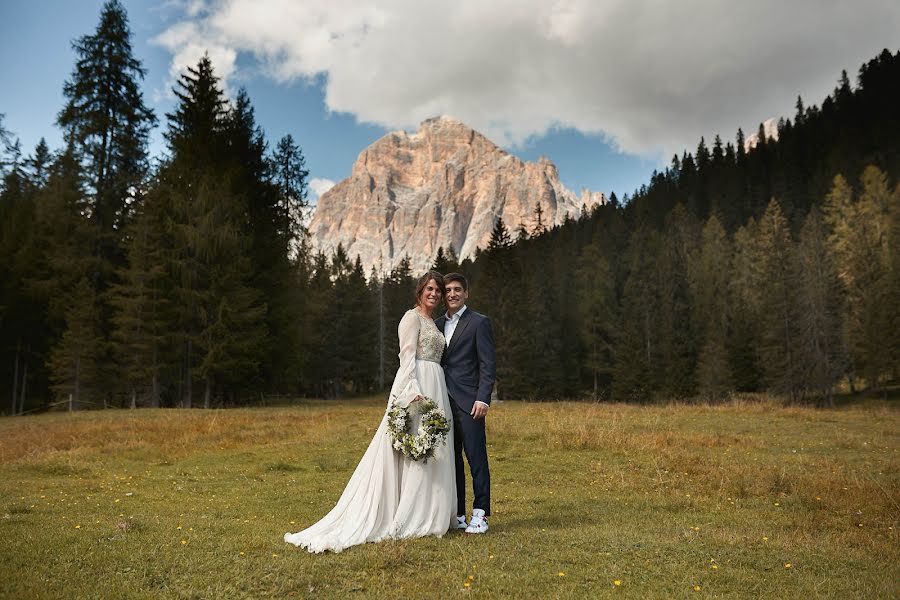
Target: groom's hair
[450,277]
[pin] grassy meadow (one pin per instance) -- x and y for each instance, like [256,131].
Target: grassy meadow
[749,499]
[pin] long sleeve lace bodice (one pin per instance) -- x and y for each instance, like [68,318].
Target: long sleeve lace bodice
[419,339]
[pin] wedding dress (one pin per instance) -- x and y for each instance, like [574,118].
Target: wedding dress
[390,496]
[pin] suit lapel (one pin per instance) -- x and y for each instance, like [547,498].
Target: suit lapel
[460,328]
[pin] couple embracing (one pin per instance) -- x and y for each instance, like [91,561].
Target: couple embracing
[447,364]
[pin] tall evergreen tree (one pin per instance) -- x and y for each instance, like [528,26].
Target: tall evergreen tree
[107,123]
[745,300]
[196,143]
[290,175]
[860,241]
[445,261]
[780,335]
[216,211]
[710,275]
[820,351]
[676,338]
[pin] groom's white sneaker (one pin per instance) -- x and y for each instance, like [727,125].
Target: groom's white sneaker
[460,523]
[479,523]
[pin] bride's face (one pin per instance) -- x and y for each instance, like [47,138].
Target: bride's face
[430,296]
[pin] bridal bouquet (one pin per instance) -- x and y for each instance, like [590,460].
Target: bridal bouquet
[432,431]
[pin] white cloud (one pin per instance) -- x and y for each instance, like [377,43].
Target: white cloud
[318,186]
[651,76]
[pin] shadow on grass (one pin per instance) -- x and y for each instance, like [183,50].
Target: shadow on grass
[889,395]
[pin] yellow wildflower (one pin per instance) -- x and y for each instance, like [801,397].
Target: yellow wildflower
[617,582]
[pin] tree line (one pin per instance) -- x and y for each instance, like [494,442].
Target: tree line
[189,280]
[769,268]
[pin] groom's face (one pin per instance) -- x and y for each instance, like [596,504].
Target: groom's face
[455,296]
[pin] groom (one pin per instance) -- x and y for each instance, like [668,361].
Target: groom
[469,366]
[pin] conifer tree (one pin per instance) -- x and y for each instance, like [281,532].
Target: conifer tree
[210,186]
[780,335]
[140,303]
[710,276]
[440,261]
[819,310]
[500,238]
[316,338]
[74,361]
[676,337]
[17,250]
[266,210]
[64,236]
[638,367]
[355,329]
[189,183]
[745,315]
[860,242]
[597,316]
[232,327]
[289,172]
[108,125]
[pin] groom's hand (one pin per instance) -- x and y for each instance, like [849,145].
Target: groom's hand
[479,410]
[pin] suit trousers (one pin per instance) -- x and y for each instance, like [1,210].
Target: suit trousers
[474,442]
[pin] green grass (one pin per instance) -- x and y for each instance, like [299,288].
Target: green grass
[194,504]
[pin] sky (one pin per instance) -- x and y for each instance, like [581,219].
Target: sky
[608,90]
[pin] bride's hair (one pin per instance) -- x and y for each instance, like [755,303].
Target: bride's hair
[423,281]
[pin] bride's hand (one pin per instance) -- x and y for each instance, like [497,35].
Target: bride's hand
[418,398]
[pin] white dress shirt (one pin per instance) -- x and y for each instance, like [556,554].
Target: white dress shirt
[452,322]
[450,327]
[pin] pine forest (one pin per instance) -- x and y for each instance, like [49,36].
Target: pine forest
[189,280]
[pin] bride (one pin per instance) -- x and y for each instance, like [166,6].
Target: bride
[389,495]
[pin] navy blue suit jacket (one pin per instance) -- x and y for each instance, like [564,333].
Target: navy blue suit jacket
[470,363]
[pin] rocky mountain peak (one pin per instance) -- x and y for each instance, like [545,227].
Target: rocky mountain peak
[444,185]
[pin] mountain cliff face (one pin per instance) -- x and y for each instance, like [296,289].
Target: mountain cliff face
[770,128]
[446,185]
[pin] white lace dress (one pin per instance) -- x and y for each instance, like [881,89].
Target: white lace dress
[390,495]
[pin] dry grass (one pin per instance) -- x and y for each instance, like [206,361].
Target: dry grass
[193,504]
